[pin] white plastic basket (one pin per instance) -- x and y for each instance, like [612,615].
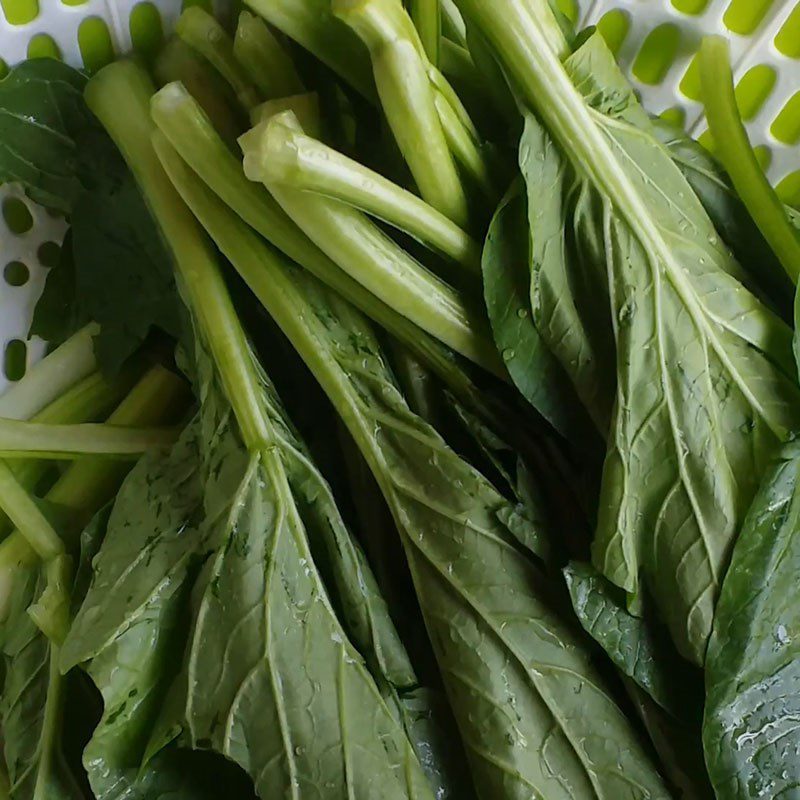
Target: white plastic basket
[656,40]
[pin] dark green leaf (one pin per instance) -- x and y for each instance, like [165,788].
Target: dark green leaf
[678,745]
[42,117]
[506,285]
[706,388]
[751,734]
[639,648]
[534,714]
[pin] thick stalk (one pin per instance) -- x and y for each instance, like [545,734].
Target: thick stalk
[400,69]
[453,26]
[264,60]
[177,61]
[358,246]
[304,106]
[50,613]
[255,261]
[87,485]
[311,24]
[732,147]
[22,510]
[427,18]
[202,32]
[189,132]
[304,163]
[64,442]
[120,95]
[52,376]
[88,400]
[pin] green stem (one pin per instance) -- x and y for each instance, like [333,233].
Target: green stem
[306,164]
[120,95]
[86,401]
[453,26]
[359,247]
[88,484]
[732,147]
[400,68]
[23,511]
[177,61]
[262,57]
[52,376]
[202,32]
[190,134]
[311,24]
[427,17]
[35,440]
[254,261]
[304,106]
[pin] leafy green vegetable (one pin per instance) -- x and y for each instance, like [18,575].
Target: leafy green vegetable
[640,649]
[260,606]
[520,690]
[531,364]
[753,666]
[706,390]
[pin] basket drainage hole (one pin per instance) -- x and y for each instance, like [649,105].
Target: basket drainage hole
[17,215]
[16,273]
[15,360]
[49,254]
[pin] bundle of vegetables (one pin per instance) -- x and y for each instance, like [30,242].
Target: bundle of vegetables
[428,404]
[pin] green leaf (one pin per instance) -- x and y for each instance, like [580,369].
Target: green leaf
[266,651]
[639,648]
[128,628]
[678,745]
[506,286]
[750,732]
[706,389]
[512,685]
[728,215]
[42,118]
[31,706]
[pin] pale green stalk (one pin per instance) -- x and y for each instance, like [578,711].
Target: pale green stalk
[311,24]
[427,18]
[188,130]
[732,147]
[65,442]
[177,61]
[400,69]
[202,32]
[48,379]
[252,258]
[86,401]
[22,510]
[358,246]
[88,484]
[264,60]
[304,163]
[453,26]
[119,95]
[304,106]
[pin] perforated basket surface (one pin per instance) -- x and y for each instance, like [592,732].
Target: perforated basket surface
[656,41]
